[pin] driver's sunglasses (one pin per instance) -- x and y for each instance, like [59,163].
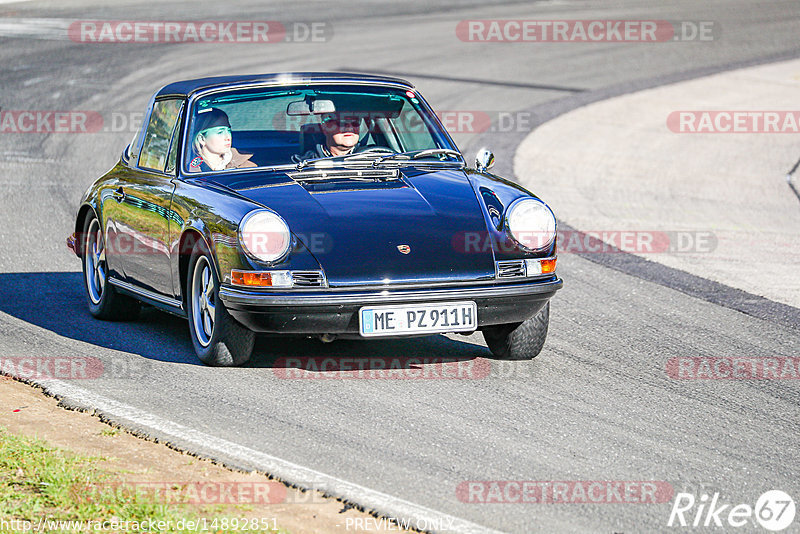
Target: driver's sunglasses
[345,123]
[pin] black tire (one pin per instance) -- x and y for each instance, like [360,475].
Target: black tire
[519,341]
[217,338]
[104,301]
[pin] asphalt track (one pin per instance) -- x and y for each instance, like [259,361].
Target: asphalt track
[597,404]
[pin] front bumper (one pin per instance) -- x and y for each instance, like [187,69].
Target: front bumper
[335,311]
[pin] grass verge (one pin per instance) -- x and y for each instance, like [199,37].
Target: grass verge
[43,488]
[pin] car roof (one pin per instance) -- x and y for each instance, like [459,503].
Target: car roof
[187,87]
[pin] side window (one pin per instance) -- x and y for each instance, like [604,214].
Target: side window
[133,148]
[136,143]
[159,134]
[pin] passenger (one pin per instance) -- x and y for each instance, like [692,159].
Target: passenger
[212,144]
[341,136]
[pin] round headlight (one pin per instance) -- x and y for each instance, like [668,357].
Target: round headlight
[265,236]
[531,223]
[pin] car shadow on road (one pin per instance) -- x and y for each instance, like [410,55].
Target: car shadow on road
[312,355]
[57,302]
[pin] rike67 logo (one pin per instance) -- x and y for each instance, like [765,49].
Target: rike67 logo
[774,511]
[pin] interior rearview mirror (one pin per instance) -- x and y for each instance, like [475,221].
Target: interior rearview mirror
[316,107]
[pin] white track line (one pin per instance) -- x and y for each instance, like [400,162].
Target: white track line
[35,28]
[245,458]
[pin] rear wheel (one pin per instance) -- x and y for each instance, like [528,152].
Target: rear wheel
[519,341]
[104,301]
[217,338]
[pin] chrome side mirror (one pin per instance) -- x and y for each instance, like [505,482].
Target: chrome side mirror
[484,160]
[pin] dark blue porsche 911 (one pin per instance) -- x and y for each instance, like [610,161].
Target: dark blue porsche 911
[319,204]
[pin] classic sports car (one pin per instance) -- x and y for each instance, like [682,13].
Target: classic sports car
[318,204]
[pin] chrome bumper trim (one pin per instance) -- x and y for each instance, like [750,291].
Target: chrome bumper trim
[234,296]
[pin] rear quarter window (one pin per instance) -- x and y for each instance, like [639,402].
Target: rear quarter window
[160,130]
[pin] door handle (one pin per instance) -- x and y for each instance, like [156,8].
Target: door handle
[118,195]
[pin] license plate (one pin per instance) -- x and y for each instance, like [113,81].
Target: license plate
[418,318]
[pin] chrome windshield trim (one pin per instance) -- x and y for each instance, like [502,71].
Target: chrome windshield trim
[145,293]
[192,97]
[288,81]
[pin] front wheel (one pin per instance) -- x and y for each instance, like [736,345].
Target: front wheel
[217,338]
[519,341]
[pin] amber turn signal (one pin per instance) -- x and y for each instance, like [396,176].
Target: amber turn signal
[251,278]
[548,266]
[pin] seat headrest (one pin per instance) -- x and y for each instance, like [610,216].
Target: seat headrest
[310,136]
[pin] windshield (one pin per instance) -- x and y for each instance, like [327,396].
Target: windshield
[291,126]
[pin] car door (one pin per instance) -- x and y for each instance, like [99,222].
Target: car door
[144,197]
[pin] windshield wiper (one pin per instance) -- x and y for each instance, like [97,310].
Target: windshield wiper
[377,159]
[303,163]
[416,154]
[334,159]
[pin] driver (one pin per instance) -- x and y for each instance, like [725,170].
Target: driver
[341,136]
[212,144]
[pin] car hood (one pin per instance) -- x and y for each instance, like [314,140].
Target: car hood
[401,230]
